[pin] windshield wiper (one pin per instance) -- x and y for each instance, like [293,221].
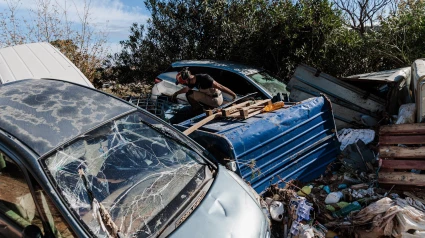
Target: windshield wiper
[100,212]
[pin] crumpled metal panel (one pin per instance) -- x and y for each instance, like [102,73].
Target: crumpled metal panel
[293,143]
[353,107]
[46,113]
[386,76]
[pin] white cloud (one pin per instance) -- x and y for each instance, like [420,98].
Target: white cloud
[112,16]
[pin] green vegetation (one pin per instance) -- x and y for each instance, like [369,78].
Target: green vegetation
[336,37]
[339,37]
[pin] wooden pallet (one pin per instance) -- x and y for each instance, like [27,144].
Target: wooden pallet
[397,162]
[243,110]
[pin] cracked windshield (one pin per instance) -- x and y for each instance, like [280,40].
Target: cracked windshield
[129,169]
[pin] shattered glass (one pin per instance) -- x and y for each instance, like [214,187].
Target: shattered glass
[132,166]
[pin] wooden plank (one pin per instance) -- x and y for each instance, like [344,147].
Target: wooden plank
[417,128]
[402,139]
[244,112]
[402,178]
[386,151]
[201,123]
[228,111]
[403,164]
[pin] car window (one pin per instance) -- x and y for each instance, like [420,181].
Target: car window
[238,84]
[16,201]
[271,84]
[57,223]
[132,169]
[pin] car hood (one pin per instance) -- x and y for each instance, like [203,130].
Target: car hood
[226,211]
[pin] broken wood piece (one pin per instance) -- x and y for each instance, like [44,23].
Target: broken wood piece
[401,152]
[402,178]
[252,110]
[417,128]
[209,112]
[228,111]
[403,164]
[401,139]
[201,123]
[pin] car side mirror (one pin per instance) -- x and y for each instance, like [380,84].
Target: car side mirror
[32,231]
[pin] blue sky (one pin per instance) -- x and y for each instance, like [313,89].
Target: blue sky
[112,16]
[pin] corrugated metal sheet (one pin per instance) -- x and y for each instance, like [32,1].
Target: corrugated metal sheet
[38,60]
[293,143]
[386,76]
[351,104]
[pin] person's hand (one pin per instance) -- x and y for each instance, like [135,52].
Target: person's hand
[174,98]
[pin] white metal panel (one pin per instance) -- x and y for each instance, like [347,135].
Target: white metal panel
[38,60]
[350,103]
[418,81]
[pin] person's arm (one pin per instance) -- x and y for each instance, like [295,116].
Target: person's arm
[224,89]
[182,90]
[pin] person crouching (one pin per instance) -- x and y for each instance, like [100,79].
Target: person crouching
[209,90]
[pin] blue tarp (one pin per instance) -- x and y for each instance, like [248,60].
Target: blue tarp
[290,143]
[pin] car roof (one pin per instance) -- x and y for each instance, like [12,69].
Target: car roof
[38,60]
[43,114]
[225,65]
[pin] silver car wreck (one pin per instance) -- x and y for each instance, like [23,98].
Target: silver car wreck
[109,169]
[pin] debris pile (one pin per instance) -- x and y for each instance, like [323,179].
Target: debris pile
[375,187]
[333,206]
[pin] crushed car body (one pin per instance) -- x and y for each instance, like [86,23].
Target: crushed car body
[89,164]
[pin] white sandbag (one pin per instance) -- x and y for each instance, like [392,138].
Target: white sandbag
[406,114]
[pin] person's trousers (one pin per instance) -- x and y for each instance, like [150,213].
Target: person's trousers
[210,97]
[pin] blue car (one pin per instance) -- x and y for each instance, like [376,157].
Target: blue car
[76,162]
[241,79]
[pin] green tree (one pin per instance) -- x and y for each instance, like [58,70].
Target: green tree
[275,35]
[402,34]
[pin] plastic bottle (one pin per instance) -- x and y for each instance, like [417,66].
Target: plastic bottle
[342,186]
[330,208]
[354,206]
[273,106]
[277,210]
[327,189]
[342,204]
[305,190]
[333,197]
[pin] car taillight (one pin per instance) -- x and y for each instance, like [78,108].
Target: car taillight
[157,80]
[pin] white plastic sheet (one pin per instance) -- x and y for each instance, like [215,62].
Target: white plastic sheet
[350,136]
[406,114]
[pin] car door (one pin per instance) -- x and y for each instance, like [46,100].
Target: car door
[19,209]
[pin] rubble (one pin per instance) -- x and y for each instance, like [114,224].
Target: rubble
[374,188]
